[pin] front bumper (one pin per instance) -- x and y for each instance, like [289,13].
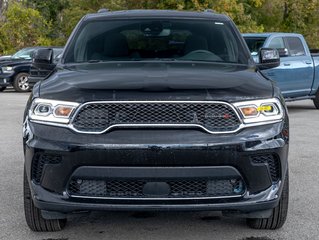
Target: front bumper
[6,79]
[155,150]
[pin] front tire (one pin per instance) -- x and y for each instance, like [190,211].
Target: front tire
[279,213]
[316,100]
[20,83]
[33,215]
[2,89]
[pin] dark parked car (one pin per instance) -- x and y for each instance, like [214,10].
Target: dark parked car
[15,70]
[156,110]
[6,57]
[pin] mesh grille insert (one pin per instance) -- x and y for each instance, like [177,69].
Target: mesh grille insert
[273,164]
[39,160]
[97,117]
[176,188]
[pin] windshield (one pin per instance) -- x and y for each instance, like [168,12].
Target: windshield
[57,52]
[254,44]
[142,40]
[25,53]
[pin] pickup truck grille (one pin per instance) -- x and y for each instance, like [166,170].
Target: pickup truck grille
[210,116]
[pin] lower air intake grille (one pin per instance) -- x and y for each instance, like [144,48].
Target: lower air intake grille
[39,160]
[172,189]
[273,164]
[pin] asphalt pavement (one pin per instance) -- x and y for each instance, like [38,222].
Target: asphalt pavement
[302,222]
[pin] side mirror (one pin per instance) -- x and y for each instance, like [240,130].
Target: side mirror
[43,59]
[42,64]
[268,58]
[43,56]
[283,52]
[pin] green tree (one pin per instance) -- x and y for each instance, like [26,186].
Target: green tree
[233,8]
[49,9]
[302,17]
[70,16]
[290,16]
[236,10]
[52,21]
[22,27]
[69,19]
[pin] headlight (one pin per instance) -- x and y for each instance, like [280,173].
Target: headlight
[46,110]
[260,110]
[7,69]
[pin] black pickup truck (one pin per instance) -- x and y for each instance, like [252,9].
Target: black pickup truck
[156,111]
[15,70]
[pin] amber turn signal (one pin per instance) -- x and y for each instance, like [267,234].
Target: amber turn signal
[63,111]
[249,111]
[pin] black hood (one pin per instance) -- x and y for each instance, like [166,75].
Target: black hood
[14,62]
[155,81]
[4,58]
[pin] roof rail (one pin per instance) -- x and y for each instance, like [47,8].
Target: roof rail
[103,10]
[209,11]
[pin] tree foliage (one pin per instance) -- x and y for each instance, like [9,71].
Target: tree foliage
[22,27]
[33,22]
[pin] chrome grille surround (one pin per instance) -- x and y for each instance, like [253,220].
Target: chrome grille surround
[212,116]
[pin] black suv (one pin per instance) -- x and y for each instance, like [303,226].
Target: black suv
[16,69]
[156,110]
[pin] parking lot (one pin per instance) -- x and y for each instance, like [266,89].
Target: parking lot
[302,223]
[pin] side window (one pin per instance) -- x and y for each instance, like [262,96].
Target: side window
[295,46]
[277,42]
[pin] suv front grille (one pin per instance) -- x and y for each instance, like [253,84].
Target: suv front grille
[212,116]
[37,72]
[194,188]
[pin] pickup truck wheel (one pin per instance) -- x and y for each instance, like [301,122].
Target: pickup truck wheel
[2,89]
[279,213]
[316,100]
[33,215]
[21,83]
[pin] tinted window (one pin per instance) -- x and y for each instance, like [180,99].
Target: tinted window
[254,44]
[137,40]
[295,46]
[277,42]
